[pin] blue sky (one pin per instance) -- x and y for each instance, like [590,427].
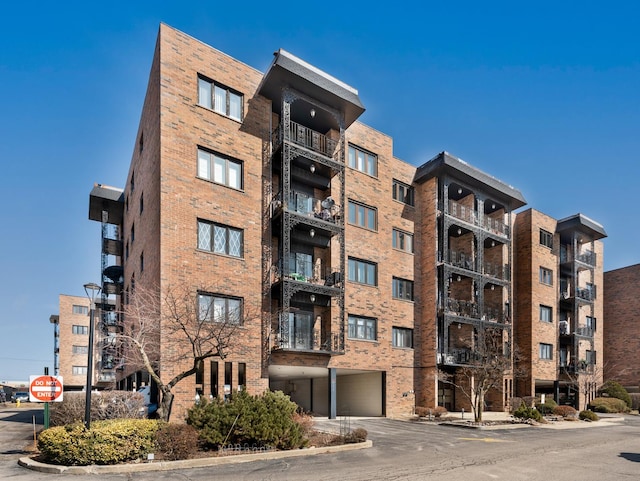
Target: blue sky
[543,96]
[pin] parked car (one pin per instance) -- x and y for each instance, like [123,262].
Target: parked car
[21,396]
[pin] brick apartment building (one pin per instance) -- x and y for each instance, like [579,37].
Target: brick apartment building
[559,306]
[71,341]
[263,189]
[621,340]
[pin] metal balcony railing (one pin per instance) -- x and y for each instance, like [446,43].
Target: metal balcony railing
[290,338]
[460,259]
[322,209]
[462,212]
[307,138]
[462,308]
[499,271]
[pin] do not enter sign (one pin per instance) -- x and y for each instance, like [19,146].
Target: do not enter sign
[45,388]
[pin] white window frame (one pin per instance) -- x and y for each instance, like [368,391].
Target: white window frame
[220,169]
[212,236]
[220,98]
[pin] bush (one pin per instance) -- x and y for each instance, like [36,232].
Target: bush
[565,411]
[548,406]
[104,405]
[635,400]
[176,441]
[525,412]
[107,442]
[588,416]
[436,412]
[608,405]
[615,390]
[358,435]
[262,421]
[516,402]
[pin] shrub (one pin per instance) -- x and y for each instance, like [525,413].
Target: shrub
[516,402]
[265,420]
[615,390]
[548,406]
[588,416]
[176,441]
[107,442]
[104,405]
[436,412]
[608,405]
[635,400]
[358,435]
[525,412]
[565,411]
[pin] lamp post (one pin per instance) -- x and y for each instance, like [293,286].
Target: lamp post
[92,291]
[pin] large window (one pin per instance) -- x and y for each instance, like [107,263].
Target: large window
[222,99]
[402,289]
[362,215]
[546,313]
[84,330]
[546,276]
[220,309]
[402,240]
[403,192]
[591,323]
[546,238]
[363,272]
[362,328]
[80,309]
[546,351]
[220,239]
[591,358]
[78,370]
[363,161]
[402,337]
[221,170]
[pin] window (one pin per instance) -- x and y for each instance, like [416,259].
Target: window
[402,289]
[363,272]
[220,239]
[546,313]
[546,238]
[220,309]
[402,337]
[80,349]
[363,216]
[363,161]
[402,240]
[546,276]
[77,370]
[403,192]
[84,310]
[75,329]
[591,323]
[546,351]
[362,328]
[220,170]
[591,358]
[219,98]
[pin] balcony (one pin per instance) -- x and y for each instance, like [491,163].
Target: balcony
[495,315]
[462,308]
[462,260]
[462,212]
[498,271]
[496,227]
[307,138]
[586,293]
[455,356]
[303,204]
[306,340]
[307,272]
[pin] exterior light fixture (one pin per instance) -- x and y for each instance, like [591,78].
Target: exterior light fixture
[493,288]
[312,112]
[493,243]
[312,168]
[92,291]
[460,190]
[312,233]
[459,326]
[459,231]
[312,298]
[458,278]
[493,206]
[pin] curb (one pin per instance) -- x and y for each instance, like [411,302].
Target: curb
[29,463]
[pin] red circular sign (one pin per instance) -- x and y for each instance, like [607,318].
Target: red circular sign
[45,388]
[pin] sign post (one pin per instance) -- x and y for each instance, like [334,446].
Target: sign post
[45,389]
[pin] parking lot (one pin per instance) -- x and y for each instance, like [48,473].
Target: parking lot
[402,450]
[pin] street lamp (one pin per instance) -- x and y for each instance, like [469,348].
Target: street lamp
[92,291]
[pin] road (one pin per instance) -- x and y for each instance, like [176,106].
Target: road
[403,450]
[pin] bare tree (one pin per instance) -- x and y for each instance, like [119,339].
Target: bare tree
[490,362]
[177,327]
[587,379]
